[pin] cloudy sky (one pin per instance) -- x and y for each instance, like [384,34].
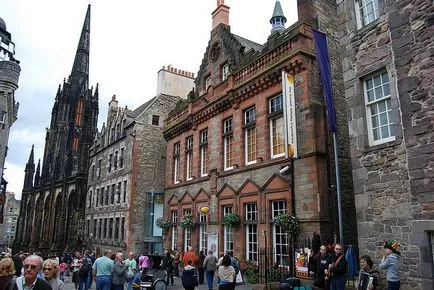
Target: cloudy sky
[130,41]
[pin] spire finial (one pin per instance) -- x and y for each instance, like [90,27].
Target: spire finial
[81,61]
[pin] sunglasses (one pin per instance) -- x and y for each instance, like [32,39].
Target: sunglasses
[48,269]
[31,267]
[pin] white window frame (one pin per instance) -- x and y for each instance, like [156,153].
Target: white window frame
[228,232]
[280,207]
[176,162]
[204,153]
[225,71]
[250,118]
[207,82]
[174,217]
[203,237]
[3,117]
[385,98]
[361,7]
[189,159]
[251,232]
[228,144]
[275,105]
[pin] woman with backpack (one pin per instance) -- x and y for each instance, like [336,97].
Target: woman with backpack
[189,277]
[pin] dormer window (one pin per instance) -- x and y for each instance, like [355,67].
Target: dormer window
[225,72]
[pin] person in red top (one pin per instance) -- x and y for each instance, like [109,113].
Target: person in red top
[190,255]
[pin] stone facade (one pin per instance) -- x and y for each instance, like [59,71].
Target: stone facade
[125,197]
[54,196]
[222,149]
[391,51]
[109,183]
[11,212]
[9,74]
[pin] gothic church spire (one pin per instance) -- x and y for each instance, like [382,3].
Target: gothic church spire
[80,70]
[30,170]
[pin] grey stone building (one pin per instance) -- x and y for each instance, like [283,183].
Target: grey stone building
[127,169]
[9,74]
[11,212]
[53,199]
[387,58]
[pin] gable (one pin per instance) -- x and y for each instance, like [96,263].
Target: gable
[186,199]
[226,191]
[249,187]
[201,196]
[276,183]
[173,200]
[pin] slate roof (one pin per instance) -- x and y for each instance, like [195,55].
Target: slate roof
[140,109]
[248,44]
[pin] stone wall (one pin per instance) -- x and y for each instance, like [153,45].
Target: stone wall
[392,180]
[148,169]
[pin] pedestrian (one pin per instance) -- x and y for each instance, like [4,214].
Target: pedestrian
[74,268]
[29,280]
[176,260]
[102,271]
[366,267]
[189,278]
[337,269]
[200,267]
[226,274]
[390,262]
[210,264]
[118,274]
[131,270]
[51,274]
[234,263]
[190,255]
[168,266]
[7,274]
[62,270]
[84,269]
[144,263]
[320,263]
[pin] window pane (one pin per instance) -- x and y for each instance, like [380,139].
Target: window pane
[375,133]
[373,110]
[386,90]
[370,95]
[374,120]
[382,106]
[378,93]
[385,132]
[384,78]
[369,84]
[377,81]
[383,119]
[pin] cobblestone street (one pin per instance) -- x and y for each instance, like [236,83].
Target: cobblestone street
[70,286]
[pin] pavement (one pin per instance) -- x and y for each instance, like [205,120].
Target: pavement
[178,286]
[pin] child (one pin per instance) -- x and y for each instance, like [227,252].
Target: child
[390,262]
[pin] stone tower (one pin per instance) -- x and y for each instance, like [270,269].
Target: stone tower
[9,74]
[57,195]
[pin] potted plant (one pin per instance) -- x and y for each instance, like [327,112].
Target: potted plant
[231,219]
[163,223]
[288,223]
[188,221]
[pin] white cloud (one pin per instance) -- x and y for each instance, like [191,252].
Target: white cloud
[14,175]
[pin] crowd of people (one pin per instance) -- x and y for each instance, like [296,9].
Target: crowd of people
[112,272]
[330,269]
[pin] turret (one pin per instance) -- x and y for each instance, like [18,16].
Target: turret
[278,20]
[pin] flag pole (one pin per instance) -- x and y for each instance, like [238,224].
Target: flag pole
[321,44]
[338,190]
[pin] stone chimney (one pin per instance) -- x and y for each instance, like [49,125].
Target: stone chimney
[220,15]
[174,82]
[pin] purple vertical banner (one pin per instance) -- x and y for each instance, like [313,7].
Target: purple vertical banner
[322,53]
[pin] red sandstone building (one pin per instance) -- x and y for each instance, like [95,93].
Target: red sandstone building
[226,147]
